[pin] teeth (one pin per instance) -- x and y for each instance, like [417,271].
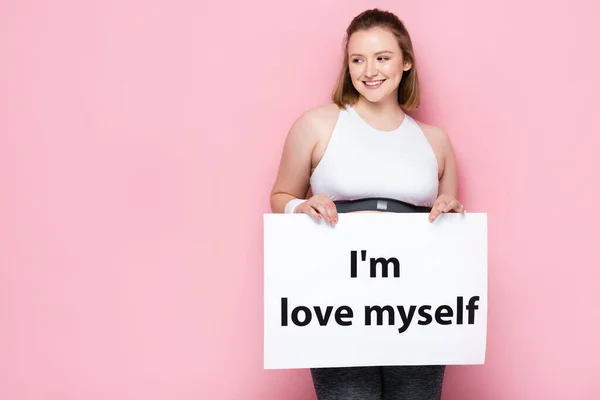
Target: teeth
[373,83]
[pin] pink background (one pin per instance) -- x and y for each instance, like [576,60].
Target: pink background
[139,142]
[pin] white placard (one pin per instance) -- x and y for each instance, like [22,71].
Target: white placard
[328,303]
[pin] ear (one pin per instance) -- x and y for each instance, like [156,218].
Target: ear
[407,65]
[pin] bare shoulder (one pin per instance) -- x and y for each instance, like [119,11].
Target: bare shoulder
[318,121]
[326,111]
[436,135]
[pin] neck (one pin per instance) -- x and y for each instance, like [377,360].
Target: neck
[388,107]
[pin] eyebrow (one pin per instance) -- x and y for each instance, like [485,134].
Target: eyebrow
[378,53]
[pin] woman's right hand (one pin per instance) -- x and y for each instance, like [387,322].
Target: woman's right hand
[319,206]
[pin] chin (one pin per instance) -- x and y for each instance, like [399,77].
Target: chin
[373,97]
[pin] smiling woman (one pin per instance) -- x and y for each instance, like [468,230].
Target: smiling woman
[377,62]
[365,149]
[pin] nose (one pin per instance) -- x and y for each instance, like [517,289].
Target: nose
[370,69]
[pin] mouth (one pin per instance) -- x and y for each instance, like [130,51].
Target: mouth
[373,84]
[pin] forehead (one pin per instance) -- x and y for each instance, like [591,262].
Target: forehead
[372,41]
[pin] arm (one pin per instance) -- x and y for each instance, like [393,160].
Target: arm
[449,179]
[448,187]
[292,179]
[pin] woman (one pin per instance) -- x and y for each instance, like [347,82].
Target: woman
[359,153]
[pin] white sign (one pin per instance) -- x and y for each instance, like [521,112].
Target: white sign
[376,289]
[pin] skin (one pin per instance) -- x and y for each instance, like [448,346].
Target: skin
[374,55]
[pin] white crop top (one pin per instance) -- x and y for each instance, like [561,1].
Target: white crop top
[361,161]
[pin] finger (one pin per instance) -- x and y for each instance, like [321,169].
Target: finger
[434,214]
[434,211]
[321,209]
[457,207]
[334,212]
[441,206]
[450,206]
[329,212]
[313,213]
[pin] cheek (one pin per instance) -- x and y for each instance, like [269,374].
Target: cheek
[354,70]
[392,69]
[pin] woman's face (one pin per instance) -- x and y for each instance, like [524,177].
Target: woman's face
[375,63]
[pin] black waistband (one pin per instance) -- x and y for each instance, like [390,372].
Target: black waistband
[378,204]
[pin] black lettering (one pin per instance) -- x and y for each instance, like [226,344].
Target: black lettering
[353,264]
[423,313]
[439,315]
[379,310]
[471,307]
[384,266]
[406,319]
[323,319]
[347,314]
[307,316]
[284,302]
[459,310]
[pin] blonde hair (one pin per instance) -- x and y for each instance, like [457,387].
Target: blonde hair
[408,91]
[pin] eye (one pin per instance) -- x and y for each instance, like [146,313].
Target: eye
[384,58]
[356,60]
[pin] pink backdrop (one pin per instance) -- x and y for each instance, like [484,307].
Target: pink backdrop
[139,141]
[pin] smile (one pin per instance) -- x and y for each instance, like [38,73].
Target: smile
[373,84]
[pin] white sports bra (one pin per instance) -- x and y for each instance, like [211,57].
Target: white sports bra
[361,161]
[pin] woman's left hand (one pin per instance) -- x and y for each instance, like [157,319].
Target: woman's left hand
[445,203]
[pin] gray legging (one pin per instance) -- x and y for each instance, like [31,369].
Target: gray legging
[419,382]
